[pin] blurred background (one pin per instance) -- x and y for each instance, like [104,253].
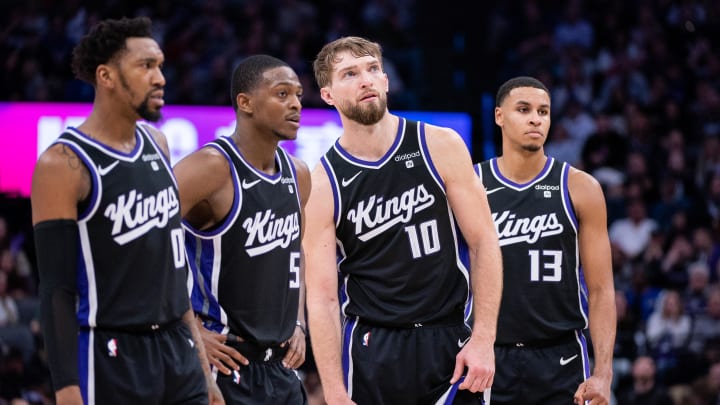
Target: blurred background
[635,102]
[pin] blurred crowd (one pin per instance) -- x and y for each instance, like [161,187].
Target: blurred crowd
[635,102]
[202,41]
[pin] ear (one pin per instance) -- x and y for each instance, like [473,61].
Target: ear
[104,76]
[499,116]
[326,96]
[244,103]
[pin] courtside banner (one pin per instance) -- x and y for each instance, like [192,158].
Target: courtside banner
[28,129]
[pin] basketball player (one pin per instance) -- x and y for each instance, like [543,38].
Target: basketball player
[116,318]
[393,199]
[242,198]
[551,222]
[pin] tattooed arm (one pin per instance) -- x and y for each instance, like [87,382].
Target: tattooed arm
[59,182]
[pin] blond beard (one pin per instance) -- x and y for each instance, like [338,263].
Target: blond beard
[365,115]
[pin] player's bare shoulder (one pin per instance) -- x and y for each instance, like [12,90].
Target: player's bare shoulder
[448,152]
[206,170]
[586,192]
[159,138]
[303,178]
[59,182]
[300,166]
[59,163]
[442,138]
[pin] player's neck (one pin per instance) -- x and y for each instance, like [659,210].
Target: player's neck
[369,142]
[110,128]
[521,167]
[257,151]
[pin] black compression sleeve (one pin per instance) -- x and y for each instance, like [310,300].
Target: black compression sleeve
[56,246]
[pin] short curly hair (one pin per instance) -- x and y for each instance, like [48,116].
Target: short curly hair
[104,42]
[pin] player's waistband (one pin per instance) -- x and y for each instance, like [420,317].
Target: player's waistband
[565,338]
[137,329]
[448,320]
[255,352]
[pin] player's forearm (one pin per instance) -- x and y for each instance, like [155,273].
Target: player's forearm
[56,243]
[324,323]
[486,279]
[602,330]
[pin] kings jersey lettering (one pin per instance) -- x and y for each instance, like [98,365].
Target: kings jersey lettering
[373,216]
[134,215]
[266,232]
[511,229]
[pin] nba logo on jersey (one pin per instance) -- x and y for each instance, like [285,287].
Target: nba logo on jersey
[112,347]
[236,377]
[366,339]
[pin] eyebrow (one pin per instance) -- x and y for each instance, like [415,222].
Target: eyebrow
[286,83]
[360,65]
[525,103]
[149,59]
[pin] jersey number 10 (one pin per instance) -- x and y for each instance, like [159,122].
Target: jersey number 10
[428,236]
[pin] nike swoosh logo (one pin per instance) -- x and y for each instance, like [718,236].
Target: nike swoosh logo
[246,185]
[488,192]
[347,182]
[105,170]
[564,361]
[461,342]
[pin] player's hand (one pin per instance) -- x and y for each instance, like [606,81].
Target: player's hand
[69,395]
[339,397]
[295,355]
[220,355]
[594,389]
[479,360]
[214,393]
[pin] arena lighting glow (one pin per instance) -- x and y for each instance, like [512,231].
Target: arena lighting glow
[28,128]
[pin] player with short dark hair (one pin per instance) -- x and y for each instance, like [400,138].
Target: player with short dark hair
[115,313]
[557,279]
[242,199]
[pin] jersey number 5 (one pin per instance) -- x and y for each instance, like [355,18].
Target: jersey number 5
[551,266]
[294,270]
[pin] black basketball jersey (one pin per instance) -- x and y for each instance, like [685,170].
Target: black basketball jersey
[246,270]
[131,267]
[544,294]
[398,244]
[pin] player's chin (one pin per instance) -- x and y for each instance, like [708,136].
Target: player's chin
[287,135]
[533,146]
